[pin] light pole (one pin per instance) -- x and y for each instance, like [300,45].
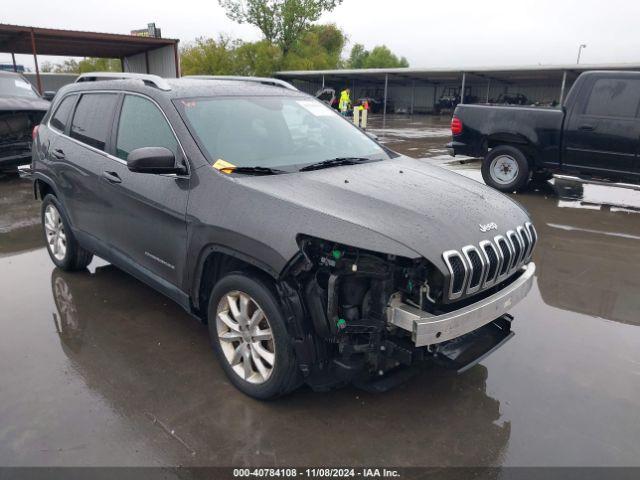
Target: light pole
[583,45]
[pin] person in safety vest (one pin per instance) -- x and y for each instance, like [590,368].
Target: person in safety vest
[345,102]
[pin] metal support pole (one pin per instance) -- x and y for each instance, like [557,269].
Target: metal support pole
[413,95]
[323,82]
[176,56]
[386,91]
[146,60]
[435,96]
[13,58]
[464,80]
[488,88]
[35,60]
[564,84]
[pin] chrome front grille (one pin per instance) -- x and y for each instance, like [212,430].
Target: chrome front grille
[477,267]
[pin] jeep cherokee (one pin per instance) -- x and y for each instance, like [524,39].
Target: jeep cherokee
[315,254]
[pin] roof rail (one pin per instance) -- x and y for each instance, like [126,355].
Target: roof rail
[148,79]
[274,82]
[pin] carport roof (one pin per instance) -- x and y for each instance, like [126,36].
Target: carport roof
[73,43]
[533,73]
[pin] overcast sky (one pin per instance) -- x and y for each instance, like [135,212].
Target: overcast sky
[429,33]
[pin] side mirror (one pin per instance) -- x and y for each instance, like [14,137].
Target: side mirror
[153,160]
[48,95]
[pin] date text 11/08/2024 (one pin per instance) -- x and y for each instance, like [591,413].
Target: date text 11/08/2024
[315,473]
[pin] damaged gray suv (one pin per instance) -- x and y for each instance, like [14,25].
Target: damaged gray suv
[315,254]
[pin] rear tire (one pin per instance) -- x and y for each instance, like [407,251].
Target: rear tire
[506,168]
[250,338]
[63,248]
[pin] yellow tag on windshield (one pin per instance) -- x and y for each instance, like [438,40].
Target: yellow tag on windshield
[224,166]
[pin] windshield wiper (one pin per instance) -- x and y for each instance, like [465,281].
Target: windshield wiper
[335,162]
[257,171]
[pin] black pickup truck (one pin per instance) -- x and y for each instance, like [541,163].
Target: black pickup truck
[595,133]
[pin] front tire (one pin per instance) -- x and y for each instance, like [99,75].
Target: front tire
[249,335]
[63,248]
[506,168]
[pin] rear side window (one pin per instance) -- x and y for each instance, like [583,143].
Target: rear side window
[61,117]
[92,120]
[614,97]
[142,124]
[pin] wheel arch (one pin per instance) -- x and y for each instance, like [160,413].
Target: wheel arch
[214,262]
[42,186]
[516,140]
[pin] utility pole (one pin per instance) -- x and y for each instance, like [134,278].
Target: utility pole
[582,45]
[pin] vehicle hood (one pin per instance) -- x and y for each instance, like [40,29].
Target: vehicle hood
[423,207]
[22,104]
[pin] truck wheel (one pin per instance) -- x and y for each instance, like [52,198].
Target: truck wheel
[62,246]
[249,336]
[505,168]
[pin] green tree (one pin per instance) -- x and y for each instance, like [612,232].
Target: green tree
[281,21]
[259,59]
[382,57]
[320,47]
[358,56]
[99,65]
[86,65]
[379,57]
[207,56]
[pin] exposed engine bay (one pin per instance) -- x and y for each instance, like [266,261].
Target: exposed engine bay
[345,292]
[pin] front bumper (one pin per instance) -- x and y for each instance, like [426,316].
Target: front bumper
[427,329]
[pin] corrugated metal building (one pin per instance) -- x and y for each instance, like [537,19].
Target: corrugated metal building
[419,90]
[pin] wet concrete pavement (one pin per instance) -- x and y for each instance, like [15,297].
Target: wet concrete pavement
[98,369]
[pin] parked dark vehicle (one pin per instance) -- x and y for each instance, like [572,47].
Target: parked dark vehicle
[21,109]
[315,254]
[596,133]
[512,99]
[450,98]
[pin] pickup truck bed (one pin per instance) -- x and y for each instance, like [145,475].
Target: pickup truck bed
[596,133]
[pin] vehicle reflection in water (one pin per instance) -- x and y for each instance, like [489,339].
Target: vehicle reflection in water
[20,229]
[589,249]
[151,361]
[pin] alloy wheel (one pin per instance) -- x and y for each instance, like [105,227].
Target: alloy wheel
[245,337]
[55,234]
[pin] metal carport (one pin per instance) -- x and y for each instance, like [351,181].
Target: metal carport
[549,81]
[137,54]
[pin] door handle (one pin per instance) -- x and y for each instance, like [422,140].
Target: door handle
[586,128]
[111,177]
[58,153]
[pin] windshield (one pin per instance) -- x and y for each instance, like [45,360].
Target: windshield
[16,87]
[284,133]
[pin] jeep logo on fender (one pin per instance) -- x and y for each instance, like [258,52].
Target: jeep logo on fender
[488,227]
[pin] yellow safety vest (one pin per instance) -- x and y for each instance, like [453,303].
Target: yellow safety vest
[345,101]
